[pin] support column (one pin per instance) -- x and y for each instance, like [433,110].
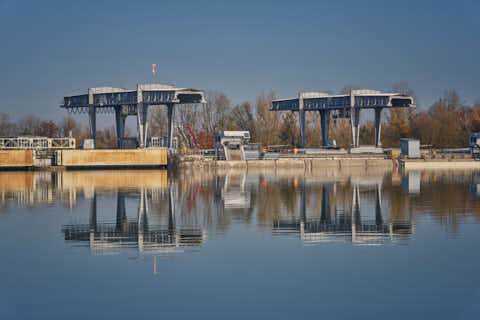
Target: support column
[142,115]
[92,117]
[120,125]
[355,121]
[301,115]
[378,126]
[171,128]
[325,122]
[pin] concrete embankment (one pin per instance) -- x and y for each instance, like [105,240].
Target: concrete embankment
[434,164]
[16,159]
[89,159]
[112,158]
[308,164]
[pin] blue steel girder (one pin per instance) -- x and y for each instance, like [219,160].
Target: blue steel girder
[105,97]
[344,102]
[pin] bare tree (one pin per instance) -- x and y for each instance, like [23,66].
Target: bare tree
[7,128]
[267,122]
[158,122]
[69,125]
[242,118]
[348,88]
[215,112]
[29,125]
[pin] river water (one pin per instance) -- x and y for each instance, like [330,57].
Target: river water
[234,245]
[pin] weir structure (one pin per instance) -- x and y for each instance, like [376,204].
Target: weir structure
[125,102]
[343,106]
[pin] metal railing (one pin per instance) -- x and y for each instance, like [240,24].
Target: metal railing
[35,143]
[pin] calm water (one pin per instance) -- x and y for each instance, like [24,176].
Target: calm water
[285,245]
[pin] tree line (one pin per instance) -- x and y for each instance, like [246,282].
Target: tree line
[445,124]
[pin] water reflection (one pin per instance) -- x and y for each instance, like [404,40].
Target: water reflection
[104,237]
[346,222]
[174,213]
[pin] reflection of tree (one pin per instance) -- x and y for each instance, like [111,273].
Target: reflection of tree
[399,203]
[447,198]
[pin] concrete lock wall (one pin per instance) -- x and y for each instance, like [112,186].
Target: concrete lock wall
[305,164]
[439,164]
[110,158]
[16,158]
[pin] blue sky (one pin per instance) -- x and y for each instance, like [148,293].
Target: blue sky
[56,48]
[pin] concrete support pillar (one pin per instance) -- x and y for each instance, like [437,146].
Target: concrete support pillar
[171,127]
[92,120]
[120,117]
[378,126]
[325,122]
[301,115]
[355,121]
[142,116]
[92,117]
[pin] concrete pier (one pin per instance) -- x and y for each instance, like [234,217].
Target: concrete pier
[16,159]
[112,158]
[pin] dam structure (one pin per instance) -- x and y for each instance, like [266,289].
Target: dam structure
[343,106]
[137,102]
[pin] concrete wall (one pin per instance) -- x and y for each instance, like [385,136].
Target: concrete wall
[111,179]
[16,158]
[98,158]
[308,164]
[439,164]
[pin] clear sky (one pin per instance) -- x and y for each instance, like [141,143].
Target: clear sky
[50,49]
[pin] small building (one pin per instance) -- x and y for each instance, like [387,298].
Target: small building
[474,143]
[229,144]
[410,148]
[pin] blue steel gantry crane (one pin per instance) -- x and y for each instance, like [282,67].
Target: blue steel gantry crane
[125,102]
[343,106]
